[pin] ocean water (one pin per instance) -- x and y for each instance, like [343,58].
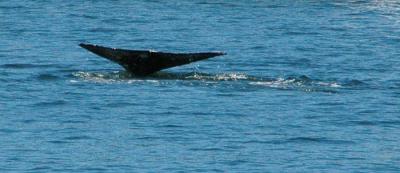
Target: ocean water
[306,86]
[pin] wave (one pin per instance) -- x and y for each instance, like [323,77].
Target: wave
[24,65]
[47,77]
[317,140]
[302,82]
[50,103]
[384,123]
[122,76]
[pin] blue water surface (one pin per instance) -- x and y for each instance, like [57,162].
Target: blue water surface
[306,86]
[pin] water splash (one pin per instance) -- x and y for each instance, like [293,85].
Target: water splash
[218,77]
[100,77]
[302,82]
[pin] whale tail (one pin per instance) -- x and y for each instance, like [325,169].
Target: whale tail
[143,62]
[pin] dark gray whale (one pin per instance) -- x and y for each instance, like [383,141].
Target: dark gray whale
[143,62]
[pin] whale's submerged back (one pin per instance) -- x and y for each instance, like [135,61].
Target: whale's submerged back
[142,62]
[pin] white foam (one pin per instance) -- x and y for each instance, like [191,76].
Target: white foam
[333,85]
[219,77]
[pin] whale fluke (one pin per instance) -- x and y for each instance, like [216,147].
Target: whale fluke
[144,62]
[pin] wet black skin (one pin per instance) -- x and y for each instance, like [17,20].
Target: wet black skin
[143,62]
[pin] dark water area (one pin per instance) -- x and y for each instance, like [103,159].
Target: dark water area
[306,86]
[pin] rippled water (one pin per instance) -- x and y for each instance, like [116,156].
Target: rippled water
[306,86]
